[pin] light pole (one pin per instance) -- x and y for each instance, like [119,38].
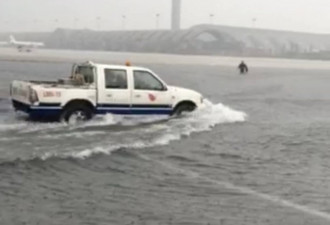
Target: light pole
[254,20]
[157,20]
[35,23]
[56,23]
[98,22]
[6,22]
[123,22]
[211,18]
[75,21]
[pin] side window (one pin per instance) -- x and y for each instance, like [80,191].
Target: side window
[144,80]
[115,79]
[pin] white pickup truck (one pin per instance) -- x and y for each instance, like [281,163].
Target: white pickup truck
[100,89]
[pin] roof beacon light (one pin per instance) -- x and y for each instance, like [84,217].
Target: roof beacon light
[128,63]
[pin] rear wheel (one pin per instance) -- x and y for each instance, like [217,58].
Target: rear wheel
[184,107]
[76,114]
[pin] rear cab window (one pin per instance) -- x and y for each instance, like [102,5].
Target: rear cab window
[87,72]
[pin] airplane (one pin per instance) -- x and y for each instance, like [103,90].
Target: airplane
[24,45]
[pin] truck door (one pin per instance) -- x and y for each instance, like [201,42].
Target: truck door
[150,95]
[114,91]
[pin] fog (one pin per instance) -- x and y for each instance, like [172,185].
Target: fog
[46,15]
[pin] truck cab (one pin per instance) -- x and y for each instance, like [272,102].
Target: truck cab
[100,89]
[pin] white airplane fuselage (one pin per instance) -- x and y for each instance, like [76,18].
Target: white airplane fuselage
[24,45]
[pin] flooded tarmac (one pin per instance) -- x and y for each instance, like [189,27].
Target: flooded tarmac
[257,154]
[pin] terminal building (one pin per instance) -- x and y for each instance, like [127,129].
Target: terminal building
[201,39]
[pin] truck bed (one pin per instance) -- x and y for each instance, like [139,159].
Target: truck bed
[21,90]
[61,83]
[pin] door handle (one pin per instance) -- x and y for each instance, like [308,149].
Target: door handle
[109,95]
[137,96]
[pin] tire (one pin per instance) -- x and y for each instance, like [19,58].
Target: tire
[76,113]
[184,107]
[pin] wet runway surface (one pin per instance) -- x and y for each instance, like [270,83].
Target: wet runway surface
[258,154]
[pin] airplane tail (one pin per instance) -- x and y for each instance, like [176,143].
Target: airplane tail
[12,39]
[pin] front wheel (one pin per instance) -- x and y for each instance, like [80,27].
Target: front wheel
[182,108]
[76,114]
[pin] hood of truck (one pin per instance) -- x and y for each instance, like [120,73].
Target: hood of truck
[185,91]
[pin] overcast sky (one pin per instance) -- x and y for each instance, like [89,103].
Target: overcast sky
[45,15]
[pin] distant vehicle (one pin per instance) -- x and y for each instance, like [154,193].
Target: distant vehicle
[100,89]
[24,45]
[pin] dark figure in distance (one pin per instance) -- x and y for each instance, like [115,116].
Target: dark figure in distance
[243,67]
